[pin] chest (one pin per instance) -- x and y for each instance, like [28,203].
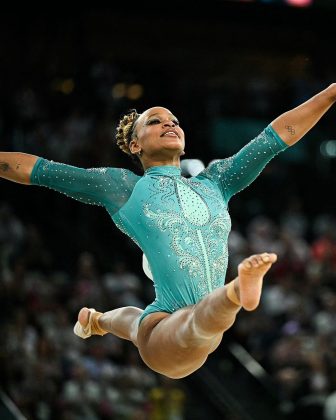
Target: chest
[198,203]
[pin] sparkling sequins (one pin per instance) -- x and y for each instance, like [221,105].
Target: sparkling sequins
[181,224]
[237,172]
[186,223]
[193,207]
[109,187]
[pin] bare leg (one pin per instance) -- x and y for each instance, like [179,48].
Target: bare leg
[122,322]
[180,343]
[217,312]
[177,344]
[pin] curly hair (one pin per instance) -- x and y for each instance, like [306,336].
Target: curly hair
[125,130]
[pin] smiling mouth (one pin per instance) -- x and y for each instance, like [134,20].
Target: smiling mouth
[169,134]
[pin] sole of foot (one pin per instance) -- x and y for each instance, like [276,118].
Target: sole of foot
[251,272]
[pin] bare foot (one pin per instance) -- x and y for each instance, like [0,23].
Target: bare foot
[251,272]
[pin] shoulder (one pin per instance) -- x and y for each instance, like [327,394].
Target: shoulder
[122,174]
[216,167]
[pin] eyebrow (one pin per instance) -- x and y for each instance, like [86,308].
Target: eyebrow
[158,113]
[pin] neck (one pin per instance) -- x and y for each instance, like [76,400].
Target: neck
[148,163]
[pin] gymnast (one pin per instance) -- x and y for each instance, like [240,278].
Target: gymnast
[182,227]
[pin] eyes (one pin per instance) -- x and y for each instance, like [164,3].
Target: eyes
[158,121]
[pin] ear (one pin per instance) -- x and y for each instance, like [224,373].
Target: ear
[134,147]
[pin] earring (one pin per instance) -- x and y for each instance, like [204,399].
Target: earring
[139,154]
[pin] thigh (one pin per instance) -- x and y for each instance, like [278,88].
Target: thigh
[161,348]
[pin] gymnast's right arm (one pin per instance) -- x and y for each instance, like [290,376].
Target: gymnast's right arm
[17,167]
[107,187]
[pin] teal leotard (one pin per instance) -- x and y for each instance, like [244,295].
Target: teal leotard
[181,225]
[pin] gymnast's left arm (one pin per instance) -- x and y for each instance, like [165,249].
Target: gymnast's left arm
[235,173]
[294,124]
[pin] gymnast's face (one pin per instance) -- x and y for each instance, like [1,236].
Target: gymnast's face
[157,134]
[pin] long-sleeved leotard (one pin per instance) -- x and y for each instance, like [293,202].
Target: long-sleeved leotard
[181,225]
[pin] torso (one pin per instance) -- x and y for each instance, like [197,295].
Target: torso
[182,226]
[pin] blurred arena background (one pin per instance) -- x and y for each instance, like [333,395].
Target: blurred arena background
[226,69]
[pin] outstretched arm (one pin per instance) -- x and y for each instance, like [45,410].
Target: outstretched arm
[238,171]
[101,186]
[17,167]
[294,124]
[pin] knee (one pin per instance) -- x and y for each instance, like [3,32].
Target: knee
[189,334]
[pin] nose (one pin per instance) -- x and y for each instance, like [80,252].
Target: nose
[169,123]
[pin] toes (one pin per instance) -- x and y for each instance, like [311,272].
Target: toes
[260,259]
[248,263]
[271,257]
[265,257]
[256,261]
